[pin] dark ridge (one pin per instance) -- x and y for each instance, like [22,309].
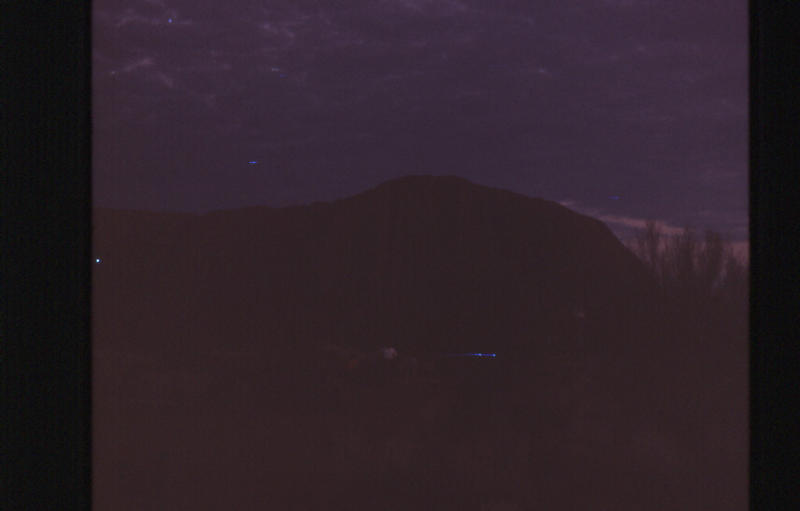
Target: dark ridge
[209,332]
[430,262]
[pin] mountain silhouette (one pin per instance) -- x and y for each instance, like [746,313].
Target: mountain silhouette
[207,330]
[424,263]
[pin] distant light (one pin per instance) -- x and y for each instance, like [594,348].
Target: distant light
[169,20]
[253,162]
[98,260]
[614,197]
[283,75]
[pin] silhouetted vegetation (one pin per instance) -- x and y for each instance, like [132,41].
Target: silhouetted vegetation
[703,272]
[239,347]
[704,288]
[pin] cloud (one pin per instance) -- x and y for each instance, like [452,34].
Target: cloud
[130,16]
[166,80]
[622,225]
[445,86]
[283,30]
[422,6]
[639,223]
[718,176]
[145,62]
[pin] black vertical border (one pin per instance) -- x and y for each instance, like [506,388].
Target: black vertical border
[775,274]
[45,250]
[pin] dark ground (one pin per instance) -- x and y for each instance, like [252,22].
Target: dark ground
[222,435]
[209,391]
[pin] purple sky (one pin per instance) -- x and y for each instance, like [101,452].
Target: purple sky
[622,109]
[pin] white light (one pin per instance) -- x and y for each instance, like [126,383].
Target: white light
[98,260]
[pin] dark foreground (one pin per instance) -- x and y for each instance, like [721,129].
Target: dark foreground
[222,434]
[613,388]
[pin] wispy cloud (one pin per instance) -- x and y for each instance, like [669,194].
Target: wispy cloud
[131,16]
[169,17]
[716,176]
[277,29]
[739,249]
[138,64]
[441,74]
[639,223]
[423,5]
[165,80]
[622,225]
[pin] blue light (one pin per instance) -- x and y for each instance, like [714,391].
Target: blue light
[252,162]
[169,20]
[283,75]
[614,197]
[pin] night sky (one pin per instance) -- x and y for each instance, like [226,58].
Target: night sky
[621,109]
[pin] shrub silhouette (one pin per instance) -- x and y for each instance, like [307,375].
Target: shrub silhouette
[690,269]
